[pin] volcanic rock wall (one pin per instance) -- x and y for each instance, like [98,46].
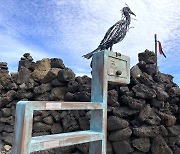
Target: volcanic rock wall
[143,117]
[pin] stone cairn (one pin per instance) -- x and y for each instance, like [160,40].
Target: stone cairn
[143,117]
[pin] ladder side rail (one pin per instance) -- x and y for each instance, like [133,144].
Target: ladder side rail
[23,128]
[98,118]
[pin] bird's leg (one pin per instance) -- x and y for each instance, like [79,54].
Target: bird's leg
[110,48]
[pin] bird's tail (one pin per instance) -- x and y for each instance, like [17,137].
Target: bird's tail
[89,55]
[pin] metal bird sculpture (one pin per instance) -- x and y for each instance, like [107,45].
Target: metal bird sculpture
[116,33]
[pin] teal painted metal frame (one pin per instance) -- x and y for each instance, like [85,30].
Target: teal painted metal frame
[103,61]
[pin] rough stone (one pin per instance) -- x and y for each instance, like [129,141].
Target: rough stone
[84,123]
[6,112]
[145,112]
[174,91]
[42,67]
[57,63]
[166,119]
[41,127]
[174,130]
[56,128]
[83,96]
[142,144]
[124,111]
[132,103]
[66,75]
[135,72]
[150,131]
[115,123]
[119,135]
[42,88]
[161,94]
[51,75]
[58,93]
[72,86]
[122,147]
[48,120]
[148,56]
[69,123]
[7,137]
[142,91]
[112,97]
[23,76]
[159,146]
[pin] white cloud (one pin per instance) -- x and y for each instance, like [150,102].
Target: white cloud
[12,50]
[73,28]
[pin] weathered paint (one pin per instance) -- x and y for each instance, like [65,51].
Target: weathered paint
[105,65]
[23,128]
[64,139]
[98,120]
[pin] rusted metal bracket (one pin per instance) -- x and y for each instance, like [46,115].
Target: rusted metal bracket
[106,66]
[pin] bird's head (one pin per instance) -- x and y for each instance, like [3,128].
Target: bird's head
[126,11]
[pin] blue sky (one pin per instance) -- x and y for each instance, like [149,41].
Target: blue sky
[67,29]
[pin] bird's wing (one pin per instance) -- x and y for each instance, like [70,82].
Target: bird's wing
[112,32]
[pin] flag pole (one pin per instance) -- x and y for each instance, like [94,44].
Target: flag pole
[155,38]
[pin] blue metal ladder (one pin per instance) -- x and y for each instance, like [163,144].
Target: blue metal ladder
[104,67]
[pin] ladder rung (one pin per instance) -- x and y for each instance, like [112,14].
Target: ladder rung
[52,105]
[64,139]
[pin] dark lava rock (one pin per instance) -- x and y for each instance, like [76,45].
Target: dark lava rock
[156,103]
[72,86]
[69,123]
[10,120]
[174,91]
[119,135]
[174,130]
[84,123]
[142,91]
[56,128]
[148,56]
[51,75]
[132,103]
[123,147]
[163,78]
[135,72]
[159,146]
[48,120]
[109,149]
[145,112]
[83,96]
[41,127]
[142,144]
[123,111]
[23,76]
[66,75]
[42,88]
[84,148]
[56,115]
[43,97]
[161,94]
[58,93]
[57,63]
[150,69]
[115,123]
[6,112]
[167,119]
[150,131]
[7,137]
[112,97]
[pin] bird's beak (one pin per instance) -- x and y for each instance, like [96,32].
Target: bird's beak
[132,13]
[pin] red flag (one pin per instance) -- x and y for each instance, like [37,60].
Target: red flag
[160,49]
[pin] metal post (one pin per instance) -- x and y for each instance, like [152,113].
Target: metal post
[155,38]
[23,127]
[99,94]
